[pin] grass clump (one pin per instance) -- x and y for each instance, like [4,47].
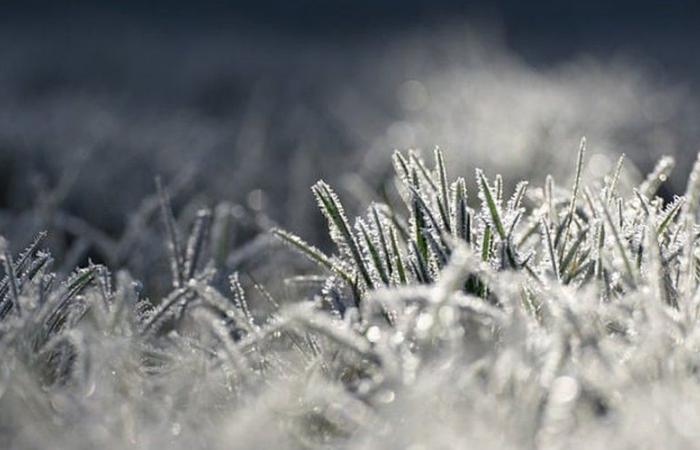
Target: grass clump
[549,318]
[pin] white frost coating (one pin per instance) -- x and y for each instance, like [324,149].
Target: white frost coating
[446,346]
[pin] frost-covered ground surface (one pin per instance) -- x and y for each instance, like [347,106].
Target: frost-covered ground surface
[441,307]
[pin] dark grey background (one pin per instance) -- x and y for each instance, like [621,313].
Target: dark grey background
[273,95]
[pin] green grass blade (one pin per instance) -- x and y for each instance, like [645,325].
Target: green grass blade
[518,195]
[574,192]
[486,244]
[418,222]
[671,212]
[622,249]
[488,199]
[550,248]
[444,197]
[311,252]
[692,196]
[568,259]
[418,163]
[656,268]
[462,218]
[381,233]
[400,266]
[335,214]
[612,185]
[373,252]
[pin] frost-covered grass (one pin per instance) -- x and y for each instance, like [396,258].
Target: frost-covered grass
[455,315]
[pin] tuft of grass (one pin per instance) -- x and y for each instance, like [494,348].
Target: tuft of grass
[537,319]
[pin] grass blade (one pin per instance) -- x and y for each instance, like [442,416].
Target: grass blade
[174,245]
[196,243]
[657,176]
[311,252]
[550,248]
[574,193]
[488,199]
[335,214]
[620,244]
[692,196]
[462,219]
[373,252]
[444,193]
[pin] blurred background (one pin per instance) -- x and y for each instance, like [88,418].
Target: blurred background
[250,102]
